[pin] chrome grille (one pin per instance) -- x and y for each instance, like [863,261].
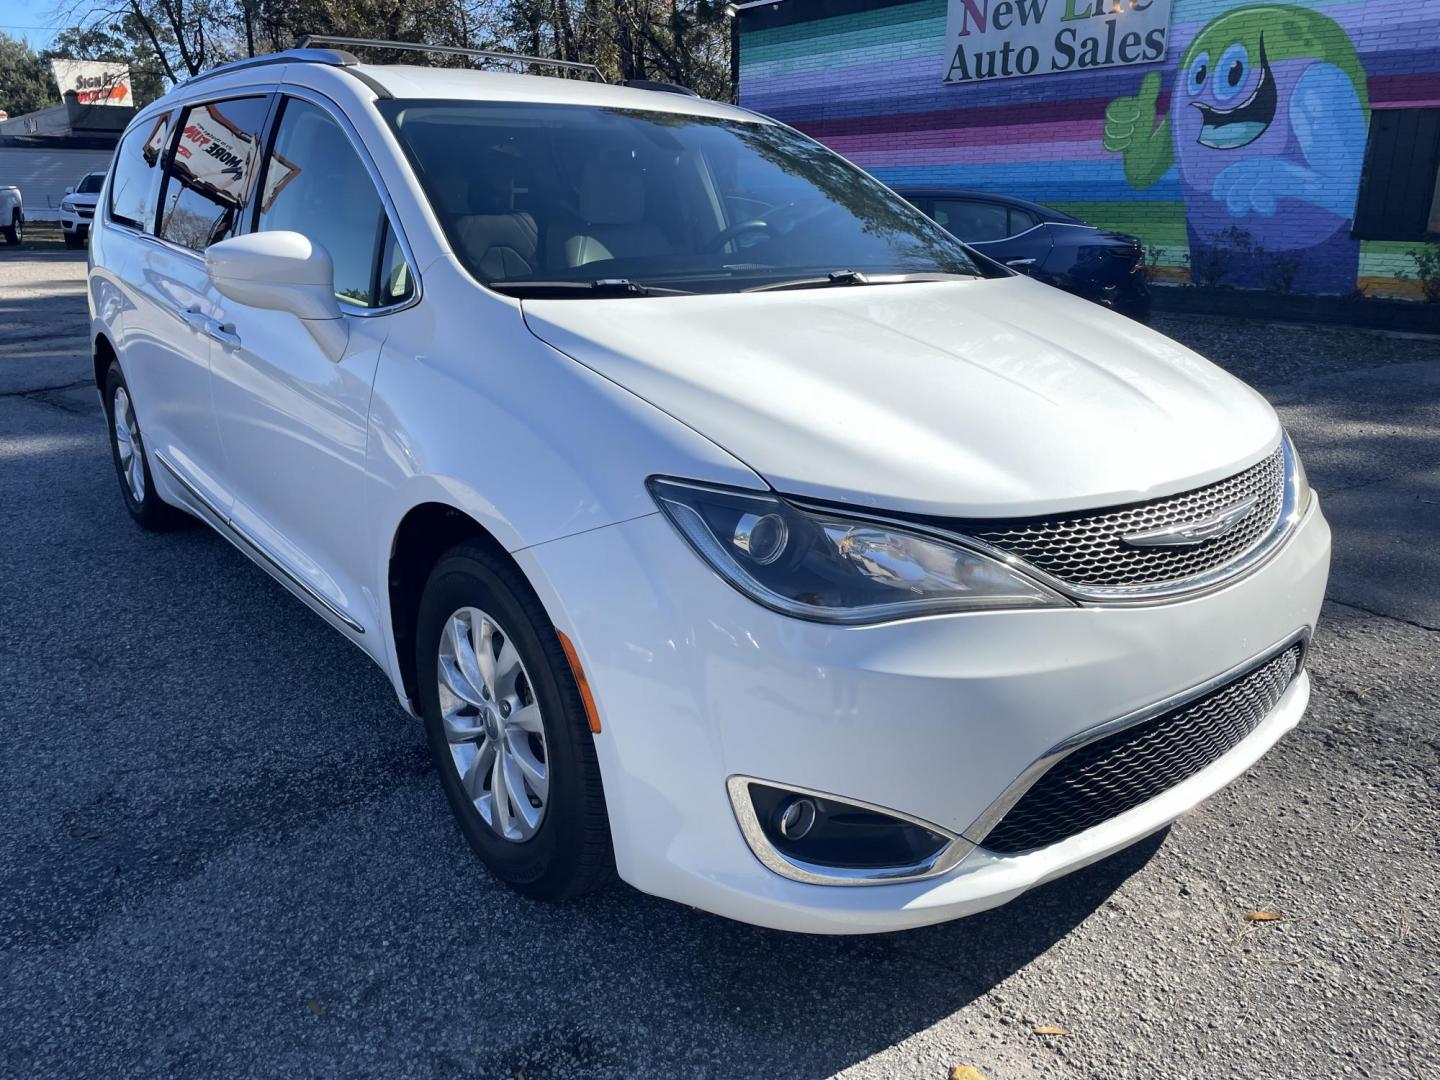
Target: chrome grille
[1123,770]
[1086,550]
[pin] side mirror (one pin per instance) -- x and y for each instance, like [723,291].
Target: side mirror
[70,190]
[282,271]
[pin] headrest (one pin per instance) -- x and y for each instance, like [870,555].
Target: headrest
[487,188]
[612,192]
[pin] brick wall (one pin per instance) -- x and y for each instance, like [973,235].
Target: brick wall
[867,80]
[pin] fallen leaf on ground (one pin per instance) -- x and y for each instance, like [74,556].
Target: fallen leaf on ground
[1050,1029]
[315,1006]
[965,1072]
[1263,916]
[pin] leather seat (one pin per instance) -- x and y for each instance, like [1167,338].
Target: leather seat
[612,208]
[495,239]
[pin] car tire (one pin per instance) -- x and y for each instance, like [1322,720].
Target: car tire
[132,465]
[15,231]
[73,241]
[566,851]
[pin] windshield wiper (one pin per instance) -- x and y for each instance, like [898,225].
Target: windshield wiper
[854,277]
[598,287]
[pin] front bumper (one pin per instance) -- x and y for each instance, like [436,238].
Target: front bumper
[934,718]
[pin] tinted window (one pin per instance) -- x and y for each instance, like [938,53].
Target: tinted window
[137,174]
[973,222]
[211,172]
[1020,220]
[91,185]
[576,193]
[316,184]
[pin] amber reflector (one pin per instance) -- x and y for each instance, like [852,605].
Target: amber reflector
[592,714]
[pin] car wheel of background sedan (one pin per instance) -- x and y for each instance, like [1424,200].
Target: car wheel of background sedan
[507,729]
[128,451]
[15,231]
[72,240]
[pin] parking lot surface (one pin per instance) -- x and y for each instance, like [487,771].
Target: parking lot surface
[224,852]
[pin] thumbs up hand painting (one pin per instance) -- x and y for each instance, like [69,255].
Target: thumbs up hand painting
[1130,130]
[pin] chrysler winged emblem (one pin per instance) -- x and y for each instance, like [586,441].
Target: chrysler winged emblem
[1194,532]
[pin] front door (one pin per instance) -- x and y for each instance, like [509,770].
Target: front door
[293,416]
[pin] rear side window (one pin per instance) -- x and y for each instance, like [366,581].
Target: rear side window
[973,222]
[316,184]
[1020,220]
[208,183]
[136,186]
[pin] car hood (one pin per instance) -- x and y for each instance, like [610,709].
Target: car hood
[970,398]
[76,199]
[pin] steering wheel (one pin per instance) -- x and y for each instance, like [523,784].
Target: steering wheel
[757,224]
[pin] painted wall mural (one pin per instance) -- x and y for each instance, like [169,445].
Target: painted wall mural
[1268,127]
[1246,141]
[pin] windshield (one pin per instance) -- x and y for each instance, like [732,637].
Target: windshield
[91,185]
[563,193]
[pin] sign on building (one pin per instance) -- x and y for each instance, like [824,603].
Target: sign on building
[1006,39]
[95,82]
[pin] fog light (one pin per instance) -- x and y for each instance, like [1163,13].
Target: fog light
[820,831]
[796,818]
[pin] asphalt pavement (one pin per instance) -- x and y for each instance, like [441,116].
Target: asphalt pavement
[224,851]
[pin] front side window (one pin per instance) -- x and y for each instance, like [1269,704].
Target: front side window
[137,174]
[316,184]
[564,193]
[208,183]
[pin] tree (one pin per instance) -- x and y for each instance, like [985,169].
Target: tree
[25,82]
[681,41]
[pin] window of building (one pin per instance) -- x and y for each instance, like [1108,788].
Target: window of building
[208,182]
[316,184]
[136,187]
[1400,185]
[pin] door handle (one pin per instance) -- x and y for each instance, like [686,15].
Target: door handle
[195,317]
[1019,263]
[223,333]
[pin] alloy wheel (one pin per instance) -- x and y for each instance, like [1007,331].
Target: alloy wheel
[127,444]
[493,725]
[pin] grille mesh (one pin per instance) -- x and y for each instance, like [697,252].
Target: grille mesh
[1121,771]
[1086,549]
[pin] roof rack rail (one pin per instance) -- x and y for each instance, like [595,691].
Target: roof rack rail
[308,41]
[298,55]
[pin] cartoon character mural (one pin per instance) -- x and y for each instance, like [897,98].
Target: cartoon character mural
[1268,120]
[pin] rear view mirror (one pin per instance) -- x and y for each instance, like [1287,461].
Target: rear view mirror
[70,190]
[282,271]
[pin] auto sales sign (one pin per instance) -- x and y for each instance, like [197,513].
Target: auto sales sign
[1005,39]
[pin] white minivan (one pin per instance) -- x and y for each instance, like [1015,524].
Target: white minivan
[729,525]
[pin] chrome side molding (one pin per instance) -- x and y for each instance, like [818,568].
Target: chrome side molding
[227,528]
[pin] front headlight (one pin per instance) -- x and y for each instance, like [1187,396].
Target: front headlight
[832,568]
[67,205]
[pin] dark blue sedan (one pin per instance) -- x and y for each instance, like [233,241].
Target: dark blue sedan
[1050,246]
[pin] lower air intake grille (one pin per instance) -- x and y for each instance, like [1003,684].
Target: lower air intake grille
[1123,770]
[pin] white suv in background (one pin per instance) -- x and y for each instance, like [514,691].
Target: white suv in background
[77,209]
[728,524]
